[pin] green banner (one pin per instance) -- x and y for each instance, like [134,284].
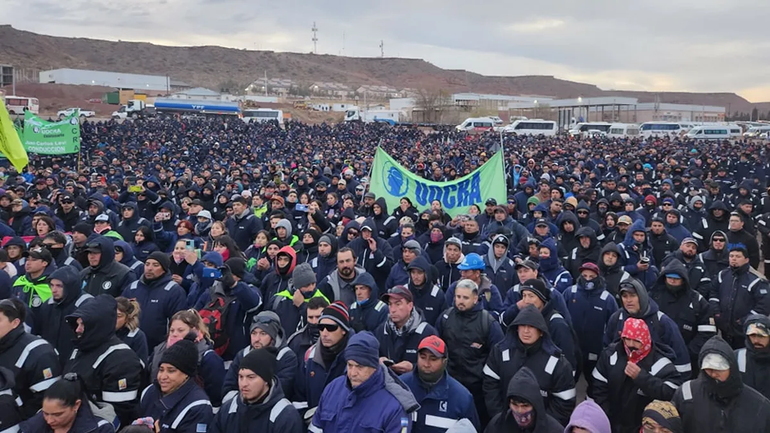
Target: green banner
[51,138]
[392,181]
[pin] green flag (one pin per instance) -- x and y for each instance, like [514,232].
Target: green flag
[10,143]
[392,181]
[51,138]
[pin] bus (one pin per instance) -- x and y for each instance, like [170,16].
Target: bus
[623,130]
[533,127]
[263,115]
[660,129]
[20,104]
[589,128]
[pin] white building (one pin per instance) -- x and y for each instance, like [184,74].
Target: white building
[198,93]
[145,83]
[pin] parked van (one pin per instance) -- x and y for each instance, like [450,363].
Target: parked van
[623,130]
[477,124]
[713,132]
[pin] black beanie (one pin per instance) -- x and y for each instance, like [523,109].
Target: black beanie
[83,228]
[162,258]
[262,362]
[237,266]
[537,287]
[183,355]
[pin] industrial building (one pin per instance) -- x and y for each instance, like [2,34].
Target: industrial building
[157,84]
[199,93]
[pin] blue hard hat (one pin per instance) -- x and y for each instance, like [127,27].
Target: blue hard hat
[472,262]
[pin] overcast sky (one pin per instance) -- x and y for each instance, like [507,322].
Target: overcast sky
[667,45]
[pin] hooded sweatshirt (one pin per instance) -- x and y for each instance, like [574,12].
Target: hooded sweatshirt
[524,387]
[108,276]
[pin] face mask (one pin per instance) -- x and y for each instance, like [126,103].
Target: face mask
[435,237]
[588,285]
[525,419]
[674,288]
[55,251]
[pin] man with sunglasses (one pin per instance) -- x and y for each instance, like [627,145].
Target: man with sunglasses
[67,211]
[32,360]
[324,361]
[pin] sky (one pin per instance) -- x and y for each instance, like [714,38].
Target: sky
[652,45]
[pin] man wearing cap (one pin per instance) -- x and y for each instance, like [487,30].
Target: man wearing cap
[67,211]
[402,332]
[265,331]
[369,396]
[366,209]
[261,402]
[32,288]
[368,312]
[158,296]
[687,255]
[718,400]
[472,268]
[526,270]
[741,291]
[528,344]
[589,300]
[470,333]
[447,268]
[95,208]
[689,309]
[130,221]
[373,254]
[635,303]
[103,227]
[630,374]
[243,226]
[324,361]
[399,275]
[503,220]
[737,235]
[290,304]
[488,216]
[499,267]
[443,400]
[104,275]
[754,359]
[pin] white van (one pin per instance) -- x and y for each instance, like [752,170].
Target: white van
[589,129]
[533,127]
[477,124]
[706,132]
[623,130]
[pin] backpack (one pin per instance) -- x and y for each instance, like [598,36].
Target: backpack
[214,315]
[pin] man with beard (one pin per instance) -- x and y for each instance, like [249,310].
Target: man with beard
[741,291]
[718,400]
[442,398]
[688,256]
[340,284]
[754,359]
[674,294]
[308,334]
[717,218]
[324,361]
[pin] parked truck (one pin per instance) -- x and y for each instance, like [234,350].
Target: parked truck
[134,108]
[356,114]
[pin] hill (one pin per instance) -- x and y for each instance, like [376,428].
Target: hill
[210,66]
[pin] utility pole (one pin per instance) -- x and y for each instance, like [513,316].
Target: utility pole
[382,48]
[315,38]
[343,42]
[265,82]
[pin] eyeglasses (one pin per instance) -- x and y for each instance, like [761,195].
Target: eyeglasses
[582,212]
[328,327]
[667,204]
[718,240]
[67,202]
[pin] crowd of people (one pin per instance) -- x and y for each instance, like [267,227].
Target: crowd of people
[210,275]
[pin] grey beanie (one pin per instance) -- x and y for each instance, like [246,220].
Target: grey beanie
[285,224]
[325,239]
[269,322]
[413,245]
[303,275]
[454,241]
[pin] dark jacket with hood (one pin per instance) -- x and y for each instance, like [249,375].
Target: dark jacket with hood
[614,274]
[623,398]
[677,230]
[50,323]
[754,362]
[567,240]
[579,255]
[428,298]
[387,225]
[749,241]
[85,422]
[588,221]
[186,409]
[326,265]
[274,414]
[631,252]
[552,372]
[709,224]
[706,405]
[371,313]
[159,299]
[285,369]
[136,266]
[402,345]
[663,329]
[243,228]
[741,292]
[688,308]
[109,277]
[278,279]
[110,371]
[524,386]
[502,271]
[127,227]
[715,261]
[662,245]
[377,263]
[552,269]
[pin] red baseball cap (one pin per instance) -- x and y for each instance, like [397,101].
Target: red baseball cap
[435,344]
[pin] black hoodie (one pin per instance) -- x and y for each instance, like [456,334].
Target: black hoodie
[109,369]
[614,274]
[524,386]
[706,405]
[108,276]
[50,323]
[387,225]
